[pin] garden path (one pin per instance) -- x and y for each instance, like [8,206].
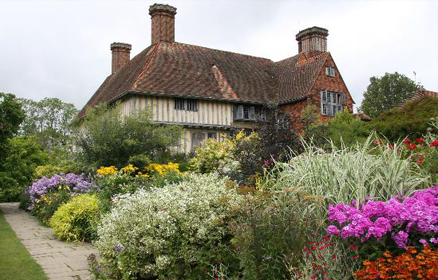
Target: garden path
[59,260]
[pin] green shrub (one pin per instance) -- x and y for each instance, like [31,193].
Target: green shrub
[107,137]
[111,185]
[267,228]
[24,154]
[345,174]
[48,205]
[412,120]
[173,232]
[76,220]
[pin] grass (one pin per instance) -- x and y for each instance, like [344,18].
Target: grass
[15,261]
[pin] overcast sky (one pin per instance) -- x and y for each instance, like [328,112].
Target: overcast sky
[62,48]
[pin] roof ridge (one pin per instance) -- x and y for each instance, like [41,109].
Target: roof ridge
[246,55]
[136,81]
[326,54]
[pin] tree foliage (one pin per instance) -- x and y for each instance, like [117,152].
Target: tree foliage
[276,138]
[17,169]
[11,115]
[108,137]
[343,129]
[387,92]
[49,120]
[411,120]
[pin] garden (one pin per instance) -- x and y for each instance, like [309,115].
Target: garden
[344,200]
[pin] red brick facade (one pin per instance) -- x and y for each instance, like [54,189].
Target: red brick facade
[322,82]
[163,23]
[121,54]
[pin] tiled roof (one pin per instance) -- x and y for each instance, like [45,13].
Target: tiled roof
[296,75]
[176,69]
[419,93]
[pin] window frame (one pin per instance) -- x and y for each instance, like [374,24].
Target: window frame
[332,102]
[330,71]
[186,104]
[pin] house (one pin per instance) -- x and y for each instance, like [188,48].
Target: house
[212,92]
[418,94]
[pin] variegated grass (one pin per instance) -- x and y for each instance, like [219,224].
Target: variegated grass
[346,174]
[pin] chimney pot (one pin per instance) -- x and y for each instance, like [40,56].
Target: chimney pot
[163,23]
[121,53]
[312,41]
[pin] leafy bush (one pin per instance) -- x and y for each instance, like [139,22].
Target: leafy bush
[76,220]
[342,175]
[343,130]
[172,232]
[214,155]
[266,229]
[324,258]
[111,182]
[17,169]
[108,137]
[412,120]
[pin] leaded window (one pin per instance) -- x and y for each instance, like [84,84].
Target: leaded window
[332,102]
[186,104]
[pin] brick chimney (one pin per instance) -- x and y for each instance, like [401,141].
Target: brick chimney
[121,55]
[163,23]
[312,41]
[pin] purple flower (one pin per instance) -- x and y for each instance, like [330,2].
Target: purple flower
[118,248]
[374,219]
[424,242]
[332,230]
[75,183]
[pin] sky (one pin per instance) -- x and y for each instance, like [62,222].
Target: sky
[62,48]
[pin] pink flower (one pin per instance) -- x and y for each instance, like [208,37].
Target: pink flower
[412,147]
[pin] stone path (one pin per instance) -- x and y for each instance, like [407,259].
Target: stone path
[59,260]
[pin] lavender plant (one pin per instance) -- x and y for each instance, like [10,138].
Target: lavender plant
[47,194]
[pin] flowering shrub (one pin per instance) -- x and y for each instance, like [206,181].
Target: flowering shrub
[391,225]
[74,183]
[104,171]
[399,216]
[325,259]
[162,169]
[215,156]
[76,220]
[410,265]
[172,232]
[424,150]
[47,194]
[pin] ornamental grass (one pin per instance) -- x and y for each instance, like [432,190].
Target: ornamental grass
[347,174]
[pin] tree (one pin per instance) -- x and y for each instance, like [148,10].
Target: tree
[49,120]
[108,137]
[11,115]
[309,116]
[386,93]
[276,139]
[17,169]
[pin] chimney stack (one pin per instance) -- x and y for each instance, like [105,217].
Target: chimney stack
[121,55]
[163,23]
[312,41]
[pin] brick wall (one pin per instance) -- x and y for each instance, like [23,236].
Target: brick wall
[323,82]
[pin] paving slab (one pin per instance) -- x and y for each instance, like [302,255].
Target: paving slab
[59,260]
